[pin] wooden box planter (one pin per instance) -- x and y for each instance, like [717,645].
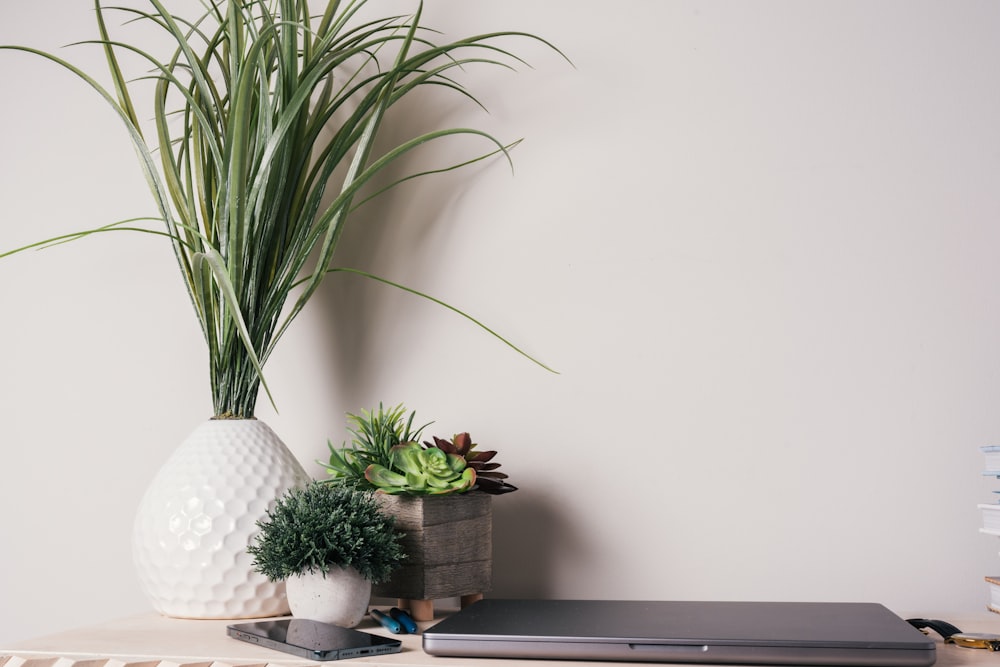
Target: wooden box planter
[449,547]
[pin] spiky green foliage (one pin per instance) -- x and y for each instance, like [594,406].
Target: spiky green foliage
[314,527]
[264,125]
[422,472]
[375,433]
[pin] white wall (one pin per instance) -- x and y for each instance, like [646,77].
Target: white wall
[758,240]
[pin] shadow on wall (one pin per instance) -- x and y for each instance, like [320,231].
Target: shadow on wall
[393,235]
[533,542]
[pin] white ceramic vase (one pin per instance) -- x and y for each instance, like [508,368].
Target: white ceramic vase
[339,596]
[199,515]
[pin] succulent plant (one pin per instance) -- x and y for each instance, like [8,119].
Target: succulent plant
[488,478]
[430,471]
[385,454]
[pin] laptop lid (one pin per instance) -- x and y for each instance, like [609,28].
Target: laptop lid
[770,633]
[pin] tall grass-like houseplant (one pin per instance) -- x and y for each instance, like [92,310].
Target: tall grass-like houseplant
[264,119]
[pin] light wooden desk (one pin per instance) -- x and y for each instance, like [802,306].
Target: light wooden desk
[151,640]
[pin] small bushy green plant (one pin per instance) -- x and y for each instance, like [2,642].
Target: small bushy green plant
[321,525]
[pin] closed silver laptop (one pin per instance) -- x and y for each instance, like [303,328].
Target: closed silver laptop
[749,633]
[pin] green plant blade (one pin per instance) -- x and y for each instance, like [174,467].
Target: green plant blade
[444,304]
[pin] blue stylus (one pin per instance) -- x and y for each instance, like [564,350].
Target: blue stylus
[389,624]
[404,619]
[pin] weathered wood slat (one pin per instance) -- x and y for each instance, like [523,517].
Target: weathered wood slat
[438,581]
[422,511]
[449,546]
[457,542]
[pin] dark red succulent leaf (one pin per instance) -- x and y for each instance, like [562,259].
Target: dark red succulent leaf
[443,445]
[480,456]
[479,465]
[463,443]
[494,486]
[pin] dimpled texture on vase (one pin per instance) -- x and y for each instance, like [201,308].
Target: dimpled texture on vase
[199,515]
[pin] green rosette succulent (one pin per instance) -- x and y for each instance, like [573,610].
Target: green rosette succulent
[422,472]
